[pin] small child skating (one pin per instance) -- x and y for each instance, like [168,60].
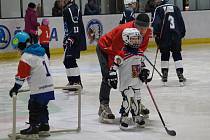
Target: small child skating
[33,67]
[44,36]
[132,73]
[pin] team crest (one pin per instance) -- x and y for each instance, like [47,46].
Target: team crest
[94,30]
[135,71]
[5,37]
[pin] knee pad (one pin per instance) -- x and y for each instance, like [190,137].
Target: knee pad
[125,107]
[135,107]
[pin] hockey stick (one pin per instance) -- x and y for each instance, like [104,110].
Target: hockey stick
[150,79]
[154,68]
[170,132]
[14,99]
[161,33]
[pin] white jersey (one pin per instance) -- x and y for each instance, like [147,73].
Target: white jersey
[36,70]
[129,71]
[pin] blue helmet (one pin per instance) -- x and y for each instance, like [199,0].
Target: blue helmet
[20,40]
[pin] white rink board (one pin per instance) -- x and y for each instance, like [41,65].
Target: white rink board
[197,26]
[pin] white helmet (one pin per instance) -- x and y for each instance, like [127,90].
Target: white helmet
[129,1]
[128,33]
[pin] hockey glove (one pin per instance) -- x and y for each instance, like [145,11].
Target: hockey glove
[68,42]
[112,79]
[14,90]
[144,75]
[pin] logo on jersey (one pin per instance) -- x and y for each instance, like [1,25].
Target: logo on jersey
[94,30]
[135,71]
[5,37]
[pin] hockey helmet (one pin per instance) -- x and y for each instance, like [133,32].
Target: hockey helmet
[131,37]
[129,1]
[20,40]
[45,21]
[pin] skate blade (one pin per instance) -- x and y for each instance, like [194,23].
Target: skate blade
[30,137]
[165,84]
[17,136]
[70,87]
[44,133]
[25,137]
[140,125]
[41,134]
[107,121]
[182,84]
[124,128]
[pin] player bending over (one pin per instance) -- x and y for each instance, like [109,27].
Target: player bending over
[132,73]
[33,67]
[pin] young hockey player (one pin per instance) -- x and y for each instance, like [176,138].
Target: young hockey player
[108,45]
[169,29]
[33,67]
[132,73]
[74,41]
[44,36]
[129,11]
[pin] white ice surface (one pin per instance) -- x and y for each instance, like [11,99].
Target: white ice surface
[184,109]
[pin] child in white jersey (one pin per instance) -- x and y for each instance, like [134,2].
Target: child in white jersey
[33,67]
[132,73]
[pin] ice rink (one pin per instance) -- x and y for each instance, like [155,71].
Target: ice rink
[184,109]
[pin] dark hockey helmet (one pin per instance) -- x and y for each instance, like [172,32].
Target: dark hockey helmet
[21,40]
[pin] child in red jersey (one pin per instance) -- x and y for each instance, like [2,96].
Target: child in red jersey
[44,36]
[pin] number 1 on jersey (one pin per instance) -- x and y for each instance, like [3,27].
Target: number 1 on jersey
[48,73]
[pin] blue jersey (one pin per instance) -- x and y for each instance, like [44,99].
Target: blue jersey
[128,15]
[167,20]
[73,25]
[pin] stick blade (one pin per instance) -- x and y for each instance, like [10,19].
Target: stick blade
[171,132]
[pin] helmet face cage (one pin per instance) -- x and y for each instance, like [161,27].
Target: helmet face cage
[132,37]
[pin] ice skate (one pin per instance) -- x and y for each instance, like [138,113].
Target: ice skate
[105,114]
[182,80]
[73,87]
[44,130]
[124,123]
[31,133]
[139,120]
[164,80]
[144,111]
[165,76]
[181,77]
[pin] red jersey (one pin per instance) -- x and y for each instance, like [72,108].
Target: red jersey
[44,37]
[111,43]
